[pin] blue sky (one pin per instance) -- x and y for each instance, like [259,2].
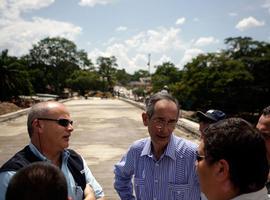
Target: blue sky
[169,30]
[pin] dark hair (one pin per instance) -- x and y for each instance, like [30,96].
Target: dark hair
[266,111]
[38,181]
[151,102]
[236,141]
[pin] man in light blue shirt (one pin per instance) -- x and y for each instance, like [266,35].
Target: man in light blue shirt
[49,127]
[163,166]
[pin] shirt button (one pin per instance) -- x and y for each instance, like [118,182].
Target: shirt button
[157,164]
[154,198]
[156,181]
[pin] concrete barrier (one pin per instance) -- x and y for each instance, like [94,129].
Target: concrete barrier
[190,126]
[13,115]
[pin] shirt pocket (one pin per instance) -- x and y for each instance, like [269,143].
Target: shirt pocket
[139,188]
[179,191]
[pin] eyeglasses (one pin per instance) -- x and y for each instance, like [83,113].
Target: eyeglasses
[199,157]
[61,122]
[159,123]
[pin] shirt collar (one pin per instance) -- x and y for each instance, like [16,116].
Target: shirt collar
[37,153]
[259,195]
[169,151]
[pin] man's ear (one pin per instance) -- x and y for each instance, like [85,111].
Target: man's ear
[222,170]
[36,124]
[145,118]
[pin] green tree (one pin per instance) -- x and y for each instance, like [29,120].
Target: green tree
[14,79]
[57,58]
[213,80]
[139,74]
[83,81]
[122,77]
[255,56]
[107,69]
[166,74]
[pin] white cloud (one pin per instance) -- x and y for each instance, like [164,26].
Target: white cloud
[132,54]
[189,54]
[156,41]
[121,28]
[164,58]
[204,41]
[92,3]
[180,21]
[12,9]
[267,5]
[232,14]
[19,36]
[196,19]
[121,52]
[95,53]
[248,23]
[110,41]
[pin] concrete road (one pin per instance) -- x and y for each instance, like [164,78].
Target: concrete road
[104,129]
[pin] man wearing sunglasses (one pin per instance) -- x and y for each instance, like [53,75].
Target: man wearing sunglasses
[232,162]
[49,127]
[160,167]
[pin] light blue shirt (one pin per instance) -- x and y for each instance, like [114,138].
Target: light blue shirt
[73,191]
[172,177]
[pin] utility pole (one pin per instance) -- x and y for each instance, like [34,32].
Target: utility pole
[149,60]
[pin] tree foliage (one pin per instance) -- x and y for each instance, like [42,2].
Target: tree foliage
[107,70]
[235,80]
[166,74]
[231,80]
[14,78]
[139,74]
[84,81]
[122,77]
[57,58]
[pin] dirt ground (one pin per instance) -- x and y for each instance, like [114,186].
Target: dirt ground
[6,107]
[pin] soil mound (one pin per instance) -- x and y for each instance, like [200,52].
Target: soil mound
[6,107]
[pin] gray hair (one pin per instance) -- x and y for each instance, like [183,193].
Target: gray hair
[151,102]
[38,110]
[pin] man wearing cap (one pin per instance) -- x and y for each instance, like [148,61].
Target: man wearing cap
[210,117]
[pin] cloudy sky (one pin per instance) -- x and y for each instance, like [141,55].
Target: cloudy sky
[168,30]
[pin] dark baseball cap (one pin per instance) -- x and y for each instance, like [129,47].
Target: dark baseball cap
[211,116]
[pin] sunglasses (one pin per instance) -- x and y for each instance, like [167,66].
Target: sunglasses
[199,157]
[61,122]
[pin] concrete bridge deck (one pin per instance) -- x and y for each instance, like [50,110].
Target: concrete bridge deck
[104,129]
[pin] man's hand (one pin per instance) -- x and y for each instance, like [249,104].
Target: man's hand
[89,193]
